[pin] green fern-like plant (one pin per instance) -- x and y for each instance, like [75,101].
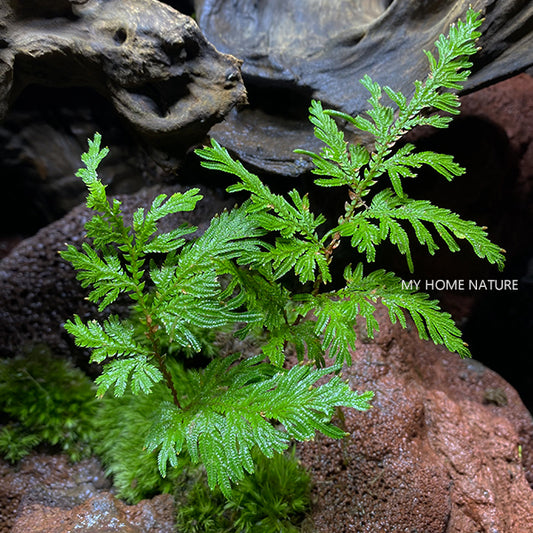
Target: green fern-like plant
[237,272]
[369,219]
[224,411]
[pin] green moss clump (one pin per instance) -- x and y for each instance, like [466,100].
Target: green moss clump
[276,497]
[45,400]
[122,427]
[16,442]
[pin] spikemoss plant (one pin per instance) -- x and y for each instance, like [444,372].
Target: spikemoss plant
[276,497]
[45,400]
[237,272]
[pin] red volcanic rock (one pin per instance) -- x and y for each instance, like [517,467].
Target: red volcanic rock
[102,513]
[510,105]
[48,494]
[446,448]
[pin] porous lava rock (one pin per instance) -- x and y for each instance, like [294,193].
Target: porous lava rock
[152,62]
[296,50]
[48,494]
[447,447]
[100,514]
[509,104]
[39,290]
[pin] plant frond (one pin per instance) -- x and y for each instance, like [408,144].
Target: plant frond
[137,371]
[231,413]
[338,161]
[430,320]
[105,274]
[389,208]
[402,164]
[145,224]
[97,198]
[112,339]
[272,212]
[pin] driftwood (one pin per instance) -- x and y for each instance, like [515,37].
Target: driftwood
[149,60]
[302,49]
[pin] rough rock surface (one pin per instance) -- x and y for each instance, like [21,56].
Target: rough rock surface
[447,448]
[38,289]
[149,60]
[47,494]
[510,105]
[301,49]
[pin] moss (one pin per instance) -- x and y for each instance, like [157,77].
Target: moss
[17,442]
[45,400]
[276,497]
[122,427]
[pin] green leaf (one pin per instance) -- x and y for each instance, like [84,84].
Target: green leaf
[365,236]
[104,231]
[274,348]
[263,295]
[116,374]
[231,411]
[389,209]
[114,338]
[404,161]
[335,322]
[338,161]
[168,242]
[430,320]
[229,235]
[105,274]
[92,158]
[145,225]
[236,274]
[397,97]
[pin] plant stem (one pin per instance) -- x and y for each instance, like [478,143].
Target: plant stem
[355,202]
[150,334]
[168,380]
